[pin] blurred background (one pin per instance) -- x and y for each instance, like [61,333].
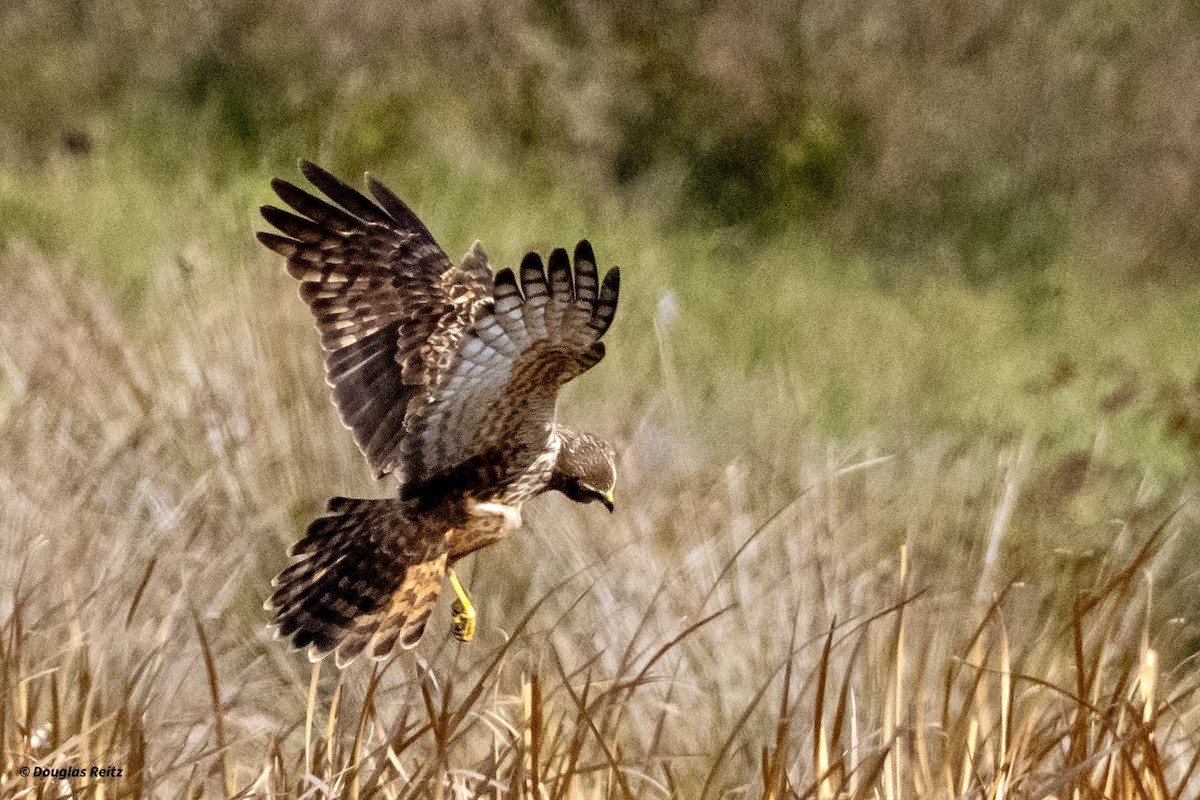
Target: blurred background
[991,210]
[909,277]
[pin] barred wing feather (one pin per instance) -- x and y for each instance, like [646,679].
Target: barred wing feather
[387,300]
[497,393]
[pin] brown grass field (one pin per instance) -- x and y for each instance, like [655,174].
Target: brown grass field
[904,385]
[815,620]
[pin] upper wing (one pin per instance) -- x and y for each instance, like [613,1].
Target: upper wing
[387,300]
[496,395]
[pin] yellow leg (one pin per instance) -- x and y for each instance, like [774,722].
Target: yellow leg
[464,612]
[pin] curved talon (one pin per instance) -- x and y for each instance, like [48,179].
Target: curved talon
[463,627]
[464,622]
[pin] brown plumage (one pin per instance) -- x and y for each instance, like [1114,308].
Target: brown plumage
[447,377]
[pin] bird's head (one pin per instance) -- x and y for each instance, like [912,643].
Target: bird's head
[585,469]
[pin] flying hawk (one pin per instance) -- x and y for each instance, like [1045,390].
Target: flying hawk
[447,377]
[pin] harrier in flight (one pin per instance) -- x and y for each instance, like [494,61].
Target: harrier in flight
[447,377]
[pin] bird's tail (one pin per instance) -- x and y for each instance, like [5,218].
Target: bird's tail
[368,573]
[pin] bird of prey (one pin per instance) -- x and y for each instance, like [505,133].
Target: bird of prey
[447,377]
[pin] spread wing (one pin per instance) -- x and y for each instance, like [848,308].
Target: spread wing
[495,396]
[388,302]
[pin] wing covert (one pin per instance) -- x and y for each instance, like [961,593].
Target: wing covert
[497,391]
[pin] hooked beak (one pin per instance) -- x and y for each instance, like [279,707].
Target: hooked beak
[607,500]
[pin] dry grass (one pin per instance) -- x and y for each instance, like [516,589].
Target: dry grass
[880,534]
[817,620]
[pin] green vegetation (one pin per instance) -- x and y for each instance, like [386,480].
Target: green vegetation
[906,351]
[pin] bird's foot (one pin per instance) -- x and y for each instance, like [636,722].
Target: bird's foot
[464,612]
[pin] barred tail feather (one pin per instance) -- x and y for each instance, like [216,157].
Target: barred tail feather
[368,574]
